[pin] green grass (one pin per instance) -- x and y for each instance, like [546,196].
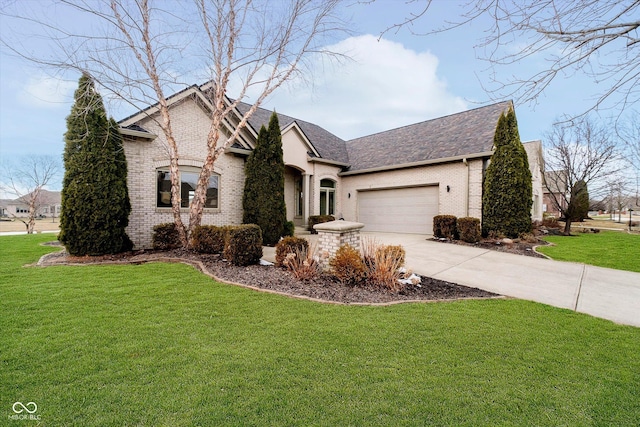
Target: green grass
[609,249]
[163,345]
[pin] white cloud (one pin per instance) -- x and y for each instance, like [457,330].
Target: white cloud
[47,92]
[385,86]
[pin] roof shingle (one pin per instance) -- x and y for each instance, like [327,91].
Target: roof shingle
[468,132]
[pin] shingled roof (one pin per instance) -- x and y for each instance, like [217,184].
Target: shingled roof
[329,146]
[461,134]
[465,133]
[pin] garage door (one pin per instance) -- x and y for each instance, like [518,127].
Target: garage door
[400,210]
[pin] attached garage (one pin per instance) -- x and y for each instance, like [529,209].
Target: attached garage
[398,210]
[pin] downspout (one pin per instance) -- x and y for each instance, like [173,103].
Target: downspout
[466,197]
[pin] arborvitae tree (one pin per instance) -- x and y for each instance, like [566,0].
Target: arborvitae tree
[95,198]
[507,196]
[578,207]
[263,200]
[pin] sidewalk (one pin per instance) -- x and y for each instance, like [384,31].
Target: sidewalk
[601,292]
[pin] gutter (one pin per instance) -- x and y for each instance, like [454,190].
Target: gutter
[239,151]
[417,164]
[327,162]
[137,133]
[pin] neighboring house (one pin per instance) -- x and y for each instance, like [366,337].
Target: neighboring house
[4,203]
[48,205]
[393,181]
[555,189]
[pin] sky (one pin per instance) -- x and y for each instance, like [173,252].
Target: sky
[391,81]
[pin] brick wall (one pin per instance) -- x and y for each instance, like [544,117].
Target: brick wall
[463,198]
[191,126]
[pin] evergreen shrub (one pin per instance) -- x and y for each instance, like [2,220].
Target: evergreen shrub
[263,198]
[444,227]
[507,193]
[243,245]
[290,245]
[165,236]
[469,229]
[347,266]
[319,219]
[208,239]
[289,229]
[94,197]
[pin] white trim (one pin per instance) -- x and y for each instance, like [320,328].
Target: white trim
[417,164]
[138,134]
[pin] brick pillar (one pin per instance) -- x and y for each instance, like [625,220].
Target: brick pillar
[332,235]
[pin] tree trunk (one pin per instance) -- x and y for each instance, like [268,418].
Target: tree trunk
[567,226]
[197,205]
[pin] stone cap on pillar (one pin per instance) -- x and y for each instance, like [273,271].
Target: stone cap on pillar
[338,226]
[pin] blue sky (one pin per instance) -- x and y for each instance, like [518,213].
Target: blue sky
[397,80]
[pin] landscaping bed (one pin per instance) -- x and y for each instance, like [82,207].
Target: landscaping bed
[513,247]
[275,279]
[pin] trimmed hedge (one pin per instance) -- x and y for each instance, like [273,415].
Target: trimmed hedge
[290,245]
[209,239]
[469,229]
[444,227]
[319,219]
[243,244]
[165,236]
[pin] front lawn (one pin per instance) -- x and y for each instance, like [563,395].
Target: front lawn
[163,345]
[609,249]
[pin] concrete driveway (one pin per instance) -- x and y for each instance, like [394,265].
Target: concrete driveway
[601,292]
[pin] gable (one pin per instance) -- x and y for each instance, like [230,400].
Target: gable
[457,136]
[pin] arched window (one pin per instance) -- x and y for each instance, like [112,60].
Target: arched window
[188,182]
[327,197]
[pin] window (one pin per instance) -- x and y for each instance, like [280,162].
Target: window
[327,197]
[188,181]
[22,210]
[299,196]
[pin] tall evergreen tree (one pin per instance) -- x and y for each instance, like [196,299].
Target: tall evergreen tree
[95,198]
[507,196]
[578,208]
[263,199]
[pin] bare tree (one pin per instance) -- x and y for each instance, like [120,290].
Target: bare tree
[629,132]
[581,153]
[137,48]
[26,180]
[599,39]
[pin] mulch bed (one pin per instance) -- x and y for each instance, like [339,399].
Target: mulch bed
[517,247]
[274,279]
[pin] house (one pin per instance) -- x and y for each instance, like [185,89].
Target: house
[555,192]
[393,181]
[47,205]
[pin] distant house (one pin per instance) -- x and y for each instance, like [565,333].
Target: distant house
[555,192]
[48,205]
[393,181]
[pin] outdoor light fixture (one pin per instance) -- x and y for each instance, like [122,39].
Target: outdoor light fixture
[448,188]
